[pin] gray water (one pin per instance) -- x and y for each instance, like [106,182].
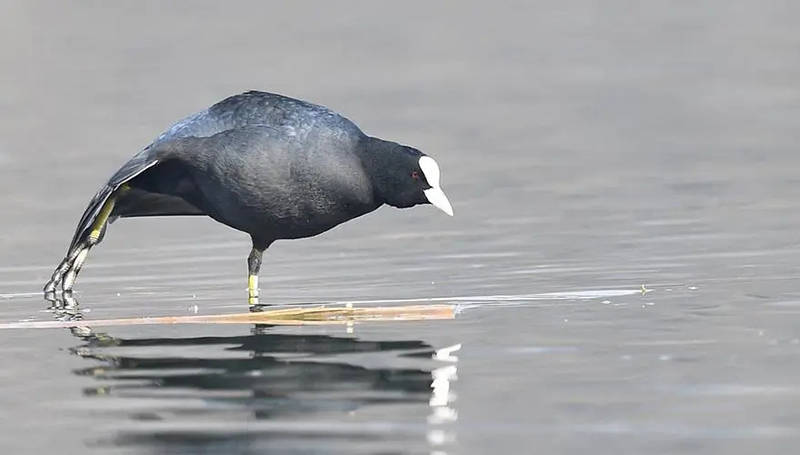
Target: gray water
[588,149]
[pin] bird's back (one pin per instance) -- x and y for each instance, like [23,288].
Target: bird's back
[291,116]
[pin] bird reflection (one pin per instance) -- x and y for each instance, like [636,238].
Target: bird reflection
[273,376]
[259,376]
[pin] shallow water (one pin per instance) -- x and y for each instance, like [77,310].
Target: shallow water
[588,150]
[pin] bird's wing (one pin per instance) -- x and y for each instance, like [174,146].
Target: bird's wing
[289,116]
[136,202]
[142,161]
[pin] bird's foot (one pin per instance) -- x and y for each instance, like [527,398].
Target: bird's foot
[64,306]
[67,271]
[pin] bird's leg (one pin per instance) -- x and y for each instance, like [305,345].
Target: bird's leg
[98,229]
[75,266]
[253,266]
[68,269]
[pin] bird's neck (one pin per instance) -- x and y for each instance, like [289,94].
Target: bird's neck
[376,156]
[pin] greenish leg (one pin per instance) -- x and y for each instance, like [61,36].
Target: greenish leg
[252,289]
[68,270]
[253,267]
[69,278]
[99,225]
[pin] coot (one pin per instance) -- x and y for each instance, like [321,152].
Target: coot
[266,164]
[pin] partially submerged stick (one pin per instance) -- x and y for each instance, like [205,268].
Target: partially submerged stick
[320,315]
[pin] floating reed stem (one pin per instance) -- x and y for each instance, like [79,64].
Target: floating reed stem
[319,315]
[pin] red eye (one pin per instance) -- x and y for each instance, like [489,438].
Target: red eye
[415,175]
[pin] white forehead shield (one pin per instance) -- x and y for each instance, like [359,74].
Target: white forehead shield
[434,194]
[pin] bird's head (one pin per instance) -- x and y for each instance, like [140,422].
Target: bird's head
[409,178]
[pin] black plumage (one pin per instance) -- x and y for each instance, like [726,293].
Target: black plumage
[269,165]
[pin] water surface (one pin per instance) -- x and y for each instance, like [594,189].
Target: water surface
[588,150]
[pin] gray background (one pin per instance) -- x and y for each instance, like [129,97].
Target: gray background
[588,148]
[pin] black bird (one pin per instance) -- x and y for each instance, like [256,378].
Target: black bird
[266,164]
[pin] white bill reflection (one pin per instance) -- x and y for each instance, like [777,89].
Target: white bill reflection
[442,398]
